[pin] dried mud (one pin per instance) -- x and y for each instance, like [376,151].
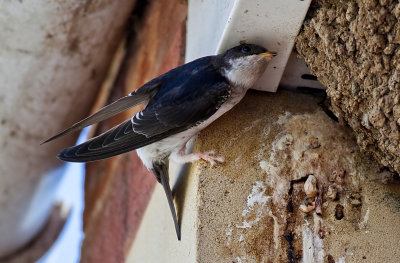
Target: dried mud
[353,47]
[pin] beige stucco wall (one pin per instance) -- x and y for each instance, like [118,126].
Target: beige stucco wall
[248,209]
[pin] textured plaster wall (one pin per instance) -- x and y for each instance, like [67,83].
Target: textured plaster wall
[294,188]
[353,47]
[279,148]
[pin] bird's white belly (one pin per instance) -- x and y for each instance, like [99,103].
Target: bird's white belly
[161,149]
[173,144]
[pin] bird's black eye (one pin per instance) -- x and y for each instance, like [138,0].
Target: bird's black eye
[245,49]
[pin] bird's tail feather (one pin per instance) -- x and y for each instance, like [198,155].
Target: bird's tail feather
[118,140]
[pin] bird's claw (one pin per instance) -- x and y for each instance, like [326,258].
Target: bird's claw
[211,158]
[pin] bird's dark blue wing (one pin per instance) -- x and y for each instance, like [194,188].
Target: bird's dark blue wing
[186,100]
[189,95]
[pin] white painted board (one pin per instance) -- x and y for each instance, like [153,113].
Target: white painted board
[216,25]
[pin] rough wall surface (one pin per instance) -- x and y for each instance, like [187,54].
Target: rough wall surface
[294,188]
[353,47]
[53,57]
[117,190]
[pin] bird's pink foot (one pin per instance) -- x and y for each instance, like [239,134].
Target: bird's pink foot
[209,157]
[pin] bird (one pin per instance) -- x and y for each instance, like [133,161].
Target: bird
[178,105]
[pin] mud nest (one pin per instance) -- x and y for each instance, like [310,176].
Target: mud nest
[353,47]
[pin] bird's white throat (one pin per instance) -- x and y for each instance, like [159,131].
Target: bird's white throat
[245,71]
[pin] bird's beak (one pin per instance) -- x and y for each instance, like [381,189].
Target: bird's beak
[268,54]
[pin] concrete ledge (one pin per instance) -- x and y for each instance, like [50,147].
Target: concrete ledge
[249,209]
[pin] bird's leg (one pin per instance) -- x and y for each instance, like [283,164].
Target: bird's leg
[181,157]
[160,170]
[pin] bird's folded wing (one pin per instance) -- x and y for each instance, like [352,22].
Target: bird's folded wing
[190,95]
[168,115]
[151,125]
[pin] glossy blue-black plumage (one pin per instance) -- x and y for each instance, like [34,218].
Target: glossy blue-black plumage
[183,97]
[190,94]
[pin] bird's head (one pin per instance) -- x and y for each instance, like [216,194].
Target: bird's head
[244,64]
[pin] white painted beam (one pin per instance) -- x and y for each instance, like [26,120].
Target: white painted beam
[216,25]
